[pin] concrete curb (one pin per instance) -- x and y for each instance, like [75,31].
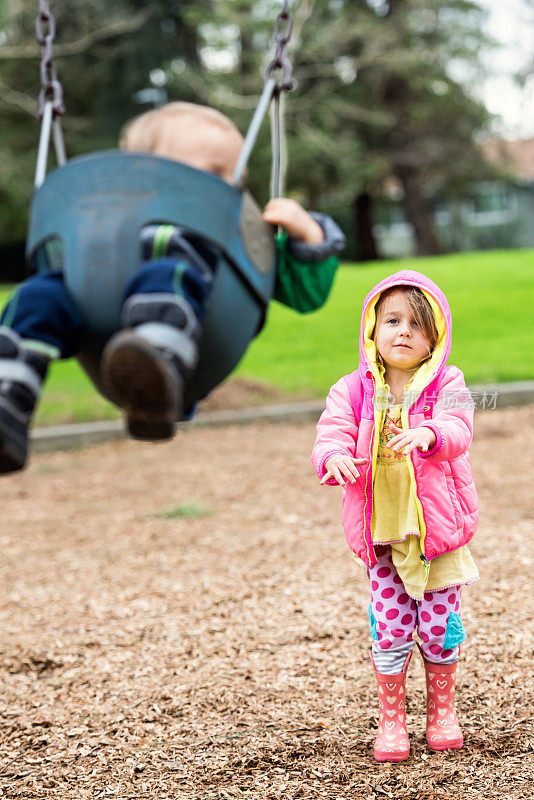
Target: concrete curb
[68,437]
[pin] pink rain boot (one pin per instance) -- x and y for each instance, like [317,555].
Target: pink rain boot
[442,729]
[392,742]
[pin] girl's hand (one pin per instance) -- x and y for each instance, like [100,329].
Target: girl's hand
[408,440]
[294,219]
[340,467]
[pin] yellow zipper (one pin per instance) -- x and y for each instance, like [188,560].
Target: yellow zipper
[419,507]
[373,450]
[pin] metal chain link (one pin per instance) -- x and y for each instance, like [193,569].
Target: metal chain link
[51,88]
[283,28]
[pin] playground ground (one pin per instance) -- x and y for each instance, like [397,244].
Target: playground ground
[146,654]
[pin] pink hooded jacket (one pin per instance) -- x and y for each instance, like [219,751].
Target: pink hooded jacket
[437,398]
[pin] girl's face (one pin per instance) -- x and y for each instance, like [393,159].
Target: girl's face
[398,339]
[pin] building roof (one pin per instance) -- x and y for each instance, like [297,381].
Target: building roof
[515,156]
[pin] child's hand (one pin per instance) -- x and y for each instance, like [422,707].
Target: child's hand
[294,219]
[340,467]
[408,440]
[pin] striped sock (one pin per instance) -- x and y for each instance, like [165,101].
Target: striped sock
[391,662]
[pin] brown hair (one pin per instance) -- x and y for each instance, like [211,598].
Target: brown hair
[421,310]
[142,133]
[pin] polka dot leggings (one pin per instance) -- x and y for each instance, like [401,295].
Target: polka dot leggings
[397,615]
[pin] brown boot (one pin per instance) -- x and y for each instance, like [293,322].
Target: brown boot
[442,729]
[392,742]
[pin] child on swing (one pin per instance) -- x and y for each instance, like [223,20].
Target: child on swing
[146,364]
[396,434]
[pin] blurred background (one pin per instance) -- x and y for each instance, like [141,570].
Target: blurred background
[411,123]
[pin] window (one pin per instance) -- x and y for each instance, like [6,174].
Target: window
[491,204]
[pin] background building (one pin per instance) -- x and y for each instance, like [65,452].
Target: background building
[497,213]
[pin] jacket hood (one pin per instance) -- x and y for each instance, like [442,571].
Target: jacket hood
[442,316]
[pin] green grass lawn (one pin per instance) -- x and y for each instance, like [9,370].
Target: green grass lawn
[491,296]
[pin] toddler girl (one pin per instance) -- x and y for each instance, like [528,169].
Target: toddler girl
[395,434]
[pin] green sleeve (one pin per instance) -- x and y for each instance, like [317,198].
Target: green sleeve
[303,286]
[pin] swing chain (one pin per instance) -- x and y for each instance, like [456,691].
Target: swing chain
[272,92]
[281,38]
[51,88]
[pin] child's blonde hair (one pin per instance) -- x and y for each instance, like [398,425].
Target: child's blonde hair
[143,133]
[422,313]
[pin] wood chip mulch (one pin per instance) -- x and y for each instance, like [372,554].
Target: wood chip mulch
[144,654]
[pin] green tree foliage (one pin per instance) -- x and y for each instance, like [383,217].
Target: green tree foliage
[429,62]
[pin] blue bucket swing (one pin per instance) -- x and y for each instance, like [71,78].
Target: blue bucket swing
[96,205]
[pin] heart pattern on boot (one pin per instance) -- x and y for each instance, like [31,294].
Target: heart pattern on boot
[442,729]
[392,742]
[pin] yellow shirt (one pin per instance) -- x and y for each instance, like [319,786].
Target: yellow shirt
[395,522]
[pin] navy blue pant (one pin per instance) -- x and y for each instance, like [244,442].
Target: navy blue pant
[41,310]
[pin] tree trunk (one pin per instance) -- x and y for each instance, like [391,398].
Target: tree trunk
[418,211]
[397,97]
[312,196]
[366,245]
